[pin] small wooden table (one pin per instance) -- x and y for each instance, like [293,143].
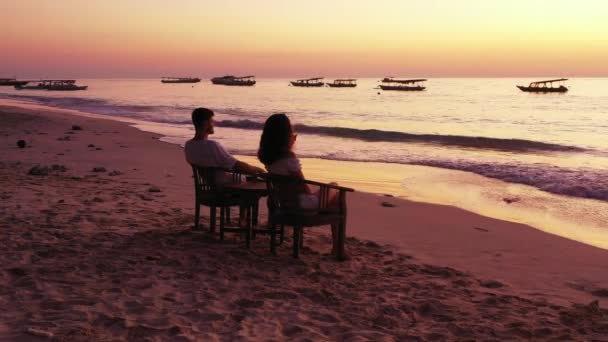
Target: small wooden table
[250,192]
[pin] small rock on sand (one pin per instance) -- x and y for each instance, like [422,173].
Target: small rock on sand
[76,128]
[387,204]
[90,145]
[491,284]
[154,189]
[510,200]
[99,169]
[115,173]
[21,143]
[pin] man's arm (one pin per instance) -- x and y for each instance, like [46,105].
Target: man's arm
[246,168]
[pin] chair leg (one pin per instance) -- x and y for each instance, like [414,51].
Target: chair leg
[273,236]
[296,241]
[249,228]
[282,234]
[341,239]
[302,237]
[228,215]
[197,215]
[222,222]
[212,219]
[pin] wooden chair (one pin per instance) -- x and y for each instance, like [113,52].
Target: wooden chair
[209,193]
[283,212]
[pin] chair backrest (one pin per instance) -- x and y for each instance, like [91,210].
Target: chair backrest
[282,191]
[209,180]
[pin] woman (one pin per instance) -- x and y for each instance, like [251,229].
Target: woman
[276,153]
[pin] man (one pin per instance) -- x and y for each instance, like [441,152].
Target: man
[209,153]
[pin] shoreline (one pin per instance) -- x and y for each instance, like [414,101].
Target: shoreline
[512,260]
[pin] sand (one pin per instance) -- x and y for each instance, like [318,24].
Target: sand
[96,245]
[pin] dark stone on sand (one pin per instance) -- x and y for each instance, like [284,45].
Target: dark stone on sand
[491,284]
[115,173]
[21,143]
[154,189]
[99,169]
[388,195]
[65,138]
[600,292]
[387,204]
[510,200]
[98,148]
[90,145]
[76,128]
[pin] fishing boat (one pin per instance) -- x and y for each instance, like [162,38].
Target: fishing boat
[63,85]
[41,84]
[402,85]
[545,86]
[180,80]
[308,82]
[343,83]
[10,82]
[231,80]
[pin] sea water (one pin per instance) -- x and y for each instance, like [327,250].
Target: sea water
[492,135]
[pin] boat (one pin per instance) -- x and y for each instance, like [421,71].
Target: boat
[402,85]
[63,85]
[343,83]
[231,80]
[41,84]
[11,82]
[180,80]
[545,86]
[308,82]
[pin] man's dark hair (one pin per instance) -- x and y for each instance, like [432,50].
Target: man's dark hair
[201,115]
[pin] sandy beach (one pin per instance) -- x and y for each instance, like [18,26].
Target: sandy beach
[96,245]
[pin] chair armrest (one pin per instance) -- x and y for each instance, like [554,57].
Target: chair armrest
[332,186]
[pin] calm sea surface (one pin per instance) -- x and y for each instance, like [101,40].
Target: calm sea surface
[556,143]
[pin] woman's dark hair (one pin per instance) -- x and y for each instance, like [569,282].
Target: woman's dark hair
[274,144]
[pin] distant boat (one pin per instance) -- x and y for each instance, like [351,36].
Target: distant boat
[308,82]
[180,80]
[42,84]
[63,85]
[402,85]
[231,80]
[545,87]
[343,83]
[11,82]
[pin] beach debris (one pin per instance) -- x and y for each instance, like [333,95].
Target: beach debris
[154,189]
[600,292]
[115,173]
[510,200]
[387,204]
[491,284]
[76,128]
[39,332]
[21,143]
[99,169]
[39,170]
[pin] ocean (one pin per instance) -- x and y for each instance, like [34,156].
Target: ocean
[553,145]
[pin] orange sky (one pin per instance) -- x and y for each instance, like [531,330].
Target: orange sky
[290,38]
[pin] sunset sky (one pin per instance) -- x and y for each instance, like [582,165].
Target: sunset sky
[290,38]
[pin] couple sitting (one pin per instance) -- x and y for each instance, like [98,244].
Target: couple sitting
[275,152]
